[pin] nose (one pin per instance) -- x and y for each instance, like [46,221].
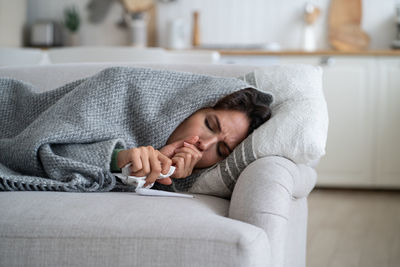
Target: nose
[205,143]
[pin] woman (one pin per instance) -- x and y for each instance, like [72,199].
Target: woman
[66,138]
[202,140]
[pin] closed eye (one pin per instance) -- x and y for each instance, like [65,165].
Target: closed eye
[208,125]
[218,146]
[222,150]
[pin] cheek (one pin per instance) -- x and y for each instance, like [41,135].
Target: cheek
[191,129]
[184,132]
[207,160]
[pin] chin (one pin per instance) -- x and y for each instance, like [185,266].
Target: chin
[202,165]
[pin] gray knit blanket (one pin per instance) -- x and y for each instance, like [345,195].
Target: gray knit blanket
[63,139]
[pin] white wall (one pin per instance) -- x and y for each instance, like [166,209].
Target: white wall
[12,20]
[221,21]
[257,21]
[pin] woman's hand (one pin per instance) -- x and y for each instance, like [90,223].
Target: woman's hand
[185,159]
[184,156]
[146,161]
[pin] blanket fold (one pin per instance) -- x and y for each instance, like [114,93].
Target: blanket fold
[63,139]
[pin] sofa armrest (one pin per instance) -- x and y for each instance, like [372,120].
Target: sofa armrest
[264,193]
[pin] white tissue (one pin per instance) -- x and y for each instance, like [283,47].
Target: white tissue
[139,181]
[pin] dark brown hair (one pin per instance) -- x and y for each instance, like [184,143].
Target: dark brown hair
[255,104]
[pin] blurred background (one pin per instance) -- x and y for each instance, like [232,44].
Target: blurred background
[267,24]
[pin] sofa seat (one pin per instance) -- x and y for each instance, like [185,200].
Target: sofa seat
[124,229]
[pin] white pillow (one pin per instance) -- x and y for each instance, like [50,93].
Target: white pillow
[298,127]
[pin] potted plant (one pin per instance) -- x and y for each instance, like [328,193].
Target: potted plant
[72,23]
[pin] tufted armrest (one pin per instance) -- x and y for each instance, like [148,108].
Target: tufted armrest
[263,196]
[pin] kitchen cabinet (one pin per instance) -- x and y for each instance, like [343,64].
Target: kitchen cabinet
[388,126]
[349,86]
[363,95]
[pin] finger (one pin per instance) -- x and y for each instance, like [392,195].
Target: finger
[192,147]
[169,149]
[126,156]
[123,158]
[196,156]
[188,150]
[184,161]
[193,163]
[165,163]
[188,160]
[179,155]
[155,166]
[183,150]
[179,164]
[192,139]
[144,156]
[136,161]
[191,158]
[166,181]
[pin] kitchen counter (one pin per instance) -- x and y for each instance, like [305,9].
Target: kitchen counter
[314,53]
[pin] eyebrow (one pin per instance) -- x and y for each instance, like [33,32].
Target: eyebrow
[219,129]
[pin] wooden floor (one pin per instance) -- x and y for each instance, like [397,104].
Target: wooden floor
[353,228]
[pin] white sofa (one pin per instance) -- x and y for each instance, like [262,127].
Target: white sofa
[263,224]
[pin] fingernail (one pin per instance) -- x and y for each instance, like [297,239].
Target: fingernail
[186,144]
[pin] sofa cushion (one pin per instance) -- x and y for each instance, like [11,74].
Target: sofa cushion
[108,229]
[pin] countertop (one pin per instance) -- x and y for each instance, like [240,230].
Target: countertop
[388,52]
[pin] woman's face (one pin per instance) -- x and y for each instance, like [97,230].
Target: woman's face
[219,132]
